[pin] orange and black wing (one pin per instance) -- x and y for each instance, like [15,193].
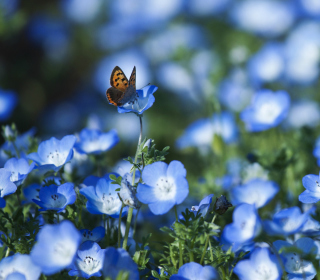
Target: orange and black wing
[132,80]
[118,79]
[114,96]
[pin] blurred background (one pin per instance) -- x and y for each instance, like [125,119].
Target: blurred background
[205,56]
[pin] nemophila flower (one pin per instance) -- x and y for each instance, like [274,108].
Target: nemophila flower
[316,151]
[53,154]
[56,197]
[94,235]
[261,265]
[128,194]
[287,221]
[312,193]
[257,191]
[56,247]
[103,197]
[8,101]
[263,17]
[94,141]
[203,206]
[267,110]
[164,186]
[201,133]
[310,8]
[117,260]
[195,271]
[267,65]
[6,185]
[18,267]
[294,264]
[19,169]
[246,224]
[31,192]
[311,227]
[89,260]
[144,101]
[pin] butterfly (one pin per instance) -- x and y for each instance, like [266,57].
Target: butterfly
[122,91]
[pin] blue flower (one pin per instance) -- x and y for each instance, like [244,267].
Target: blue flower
[56,247]
[103,197]
[6,186]
[19,267]
[308,8]
[53,154]
[164,186]
[316,151]
[31,192]
[267,65]
[143,102]
[201,133]
[287,221]
[8,101]
[89,260]
[203,206]
[192,270]
[312,193]
[94,235]
[261,265]
[257,191]
[117,260]
[246,225]
[294,264]
[94,141]
[56,197]
[19,169]
[267,110]
[128,193]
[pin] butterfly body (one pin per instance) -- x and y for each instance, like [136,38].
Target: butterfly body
[122,91]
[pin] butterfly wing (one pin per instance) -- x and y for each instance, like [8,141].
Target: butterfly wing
[132,80]
[118,79]
[114,96]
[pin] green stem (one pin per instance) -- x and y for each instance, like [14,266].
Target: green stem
[7,253]
[119,226]
[135,223]
[58,218]
[16,149]
[206,243]
[211,254]
[180,245]
[129,217]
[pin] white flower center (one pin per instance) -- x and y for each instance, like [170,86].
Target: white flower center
[165,188]
[57,201]
[87,234]
[111,203]
[63,253]
[265,272]
[294,264]
[268,112]
[14,176]
[90,265]
[56,158]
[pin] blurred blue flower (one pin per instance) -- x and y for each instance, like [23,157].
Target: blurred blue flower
[53,154]
[302,56]
[312,193]
[8,7]
[246,224]
[203,206]
[117,260]
[19,267]
[294,264]
[56,247]
[8,101]
[267,65]
[267,110]
[143,102]
[81,11]
[192,270]
[56,197]
[257,191]
[103,197]
[234,91]
[201,132]
[94,141]
[31,192]
[263,17]
[89,260]
[311,227]
[308,8]
[19,169]
[316,151]
[6,185]
[164,186]
[125,60]
[94,235]
[262,264]
[207,8]
[287,221]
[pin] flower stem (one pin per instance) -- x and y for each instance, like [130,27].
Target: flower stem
[135,222]
[207,241]
[7,253]
[16,149]
[180,245]
[129,217]
[119,226]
